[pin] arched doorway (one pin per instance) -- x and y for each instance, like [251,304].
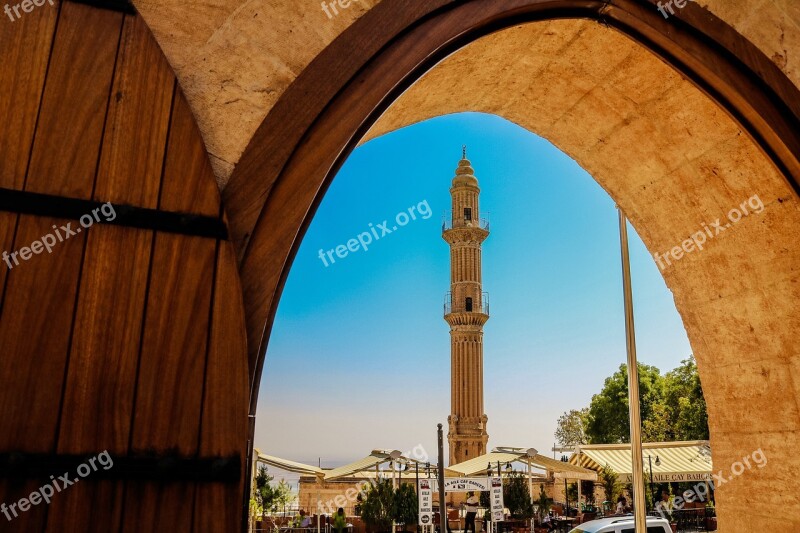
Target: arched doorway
[102,351]
[277,184]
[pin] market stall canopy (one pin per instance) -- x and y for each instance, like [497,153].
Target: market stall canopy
[290,466]
[479,465]
[677,461]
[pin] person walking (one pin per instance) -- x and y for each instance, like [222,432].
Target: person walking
[472,511]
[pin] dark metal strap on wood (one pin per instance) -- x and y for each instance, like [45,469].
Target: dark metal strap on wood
[160,468]
[124,6]
[47,205]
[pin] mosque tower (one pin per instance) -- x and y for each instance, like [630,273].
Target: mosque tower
[466,309]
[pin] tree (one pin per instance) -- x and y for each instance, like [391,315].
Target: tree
[672,407]
[405,506]
[587,490]
[283,496]
[607,421]
[611,485]
[264,494]
[572,492]
[543,502]
[685,403]
[484,500]
[657,427]
[571,429]
[378,505]
[516,496]
[268,499]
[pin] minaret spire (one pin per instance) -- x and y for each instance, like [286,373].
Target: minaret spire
[466,309]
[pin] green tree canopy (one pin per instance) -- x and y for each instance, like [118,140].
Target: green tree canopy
[264,495]
[571,428]
[610,482]
[377,509]
[283,496]
[543,502]
[269,499]
[405,505]
[672,408]
[685,403]
[607,421]
[516,495]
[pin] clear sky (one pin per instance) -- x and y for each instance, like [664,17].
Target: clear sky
[359,356]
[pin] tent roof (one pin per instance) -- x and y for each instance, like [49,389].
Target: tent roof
[679,461]
[377,457]
[479,464]
[291,466]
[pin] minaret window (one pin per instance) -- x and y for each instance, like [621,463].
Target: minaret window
[467,213]
[468,305]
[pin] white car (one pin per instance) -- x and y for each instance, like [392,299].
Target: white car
[622,524]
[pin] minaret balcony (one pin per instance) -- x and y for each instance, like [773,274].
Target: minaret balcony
[466,305]
[480,222]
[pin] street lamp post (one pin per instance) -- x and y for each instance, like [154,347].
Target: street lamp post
[440,477]
[658,463]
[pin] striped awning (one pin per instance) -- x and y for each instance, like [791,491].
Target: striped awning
[562,470]
[677,461]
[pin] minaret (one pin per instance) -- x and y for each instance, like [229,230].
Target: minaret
[466,309]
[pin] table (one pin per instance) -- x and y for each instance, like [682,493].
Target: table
[511,525]
[563,523]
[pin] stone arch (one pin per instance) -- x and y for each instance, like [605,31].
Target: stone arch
[737,297]
[735,302]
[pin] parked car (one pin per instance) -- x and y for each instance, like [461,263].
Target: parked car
[622,524]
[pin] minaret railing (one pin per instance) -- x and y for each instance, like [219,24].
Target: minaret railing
[461,306]
[481,222]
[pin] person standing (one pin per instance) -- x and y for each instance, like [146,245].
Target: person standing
[305,520]
[622,505]
[472,511]
[339,521]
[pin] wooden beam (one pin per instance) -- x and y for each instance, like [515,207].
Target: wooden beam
[151,467]
[129,216]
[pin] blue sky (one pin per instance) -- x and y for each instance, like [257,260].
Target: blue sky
[359,356]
